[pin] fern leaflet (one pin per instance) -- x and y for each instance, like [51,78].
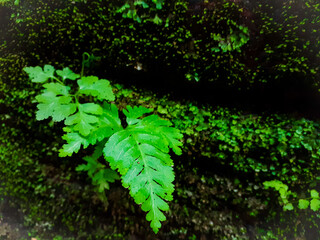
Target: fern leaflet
[85,119]
[94,87]
[101,175]
[38,75]
[67,73]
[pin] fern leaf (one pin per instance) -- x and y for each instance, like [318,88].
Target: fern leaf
[67,73]
[169,134]
[92,160]
[140,154]
[55,102]
[38,75]
[92,86]
[109,123]
[97,129]
[84,120]
[142,160]
[57,88]
[134,113]
[101,175]
[74,142]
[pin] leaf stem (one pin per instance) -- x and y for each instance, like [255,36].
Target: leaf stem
[57,79]
[85,59]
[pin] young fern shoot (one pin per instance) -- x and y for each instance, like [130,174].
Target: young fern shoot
[138,152]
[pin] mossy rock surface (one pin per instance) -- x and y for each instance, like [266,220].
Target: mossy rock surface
[228,152]
[213,197]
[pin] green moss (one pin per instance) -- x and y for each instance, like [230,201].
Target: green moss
[252,147]
[225,42]
[61,195]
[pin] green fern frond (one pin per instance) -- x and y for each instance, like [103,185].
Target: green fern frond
[140,154]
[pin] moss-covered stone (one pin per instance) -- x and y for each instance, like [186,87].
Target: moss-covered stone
[205,185]
[227,153]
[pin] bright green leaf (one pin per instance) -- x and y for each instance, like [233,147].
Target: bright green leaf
[123,8]
[140,153]
[57,107]
[169,134]
[83,121]
[91,108]
[288,207]
[57,88]
[314,193]
[134,113]
[67,73]
[38,75]
[157,20]
[315,204]
[98,88]
[74,142]
[303,203]
[109,123]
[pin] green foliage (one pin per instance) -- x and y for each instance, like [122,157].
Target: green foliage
[7,2]
[254,147]
[97,88]
[234,41]
[101,175]
[188,36]
[294,49]
[264,147]
[193,121]
[268,146]
[304,203]
[231,43]
[139,152]
[55,102]
[288,146]
[38,75]
[285,147]
[283,190]
[2,2]
[142,10]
